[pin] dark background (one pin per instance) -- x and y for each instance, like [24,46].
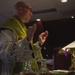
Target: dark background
[61,33]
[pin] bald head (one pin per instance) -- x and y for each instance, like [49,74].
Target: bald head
[23,10]
[22,4]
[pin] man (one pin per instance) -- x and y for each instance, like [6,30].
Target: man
[16,41]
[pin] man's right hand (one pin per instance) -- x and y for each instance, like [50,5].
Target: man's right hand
[30,32]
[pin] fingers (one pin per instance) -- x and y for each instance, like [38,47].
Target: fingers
[34,25]
[32,28]
[46,33]
[30,32]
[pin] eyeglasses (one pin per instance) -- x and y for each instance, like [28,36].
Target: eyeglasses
[30,9]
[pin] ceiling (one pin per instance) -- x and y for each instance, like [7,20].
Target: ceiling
[47,10]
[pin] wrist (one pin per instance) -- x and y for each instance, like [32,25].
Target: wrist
[29,40]
[39,43]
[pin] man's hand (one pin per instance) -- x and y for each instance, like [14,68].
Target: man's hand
[42,37]
[30,32]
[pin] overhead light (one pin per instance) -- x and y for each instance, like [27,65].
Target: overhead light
[38,19]
[63,1]
[72,16]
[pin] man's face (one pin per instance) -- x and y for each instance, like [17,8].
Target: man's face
[26,13]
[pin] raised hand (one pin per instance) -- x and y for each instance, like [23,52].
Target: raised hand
[42,37]
[30,32]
